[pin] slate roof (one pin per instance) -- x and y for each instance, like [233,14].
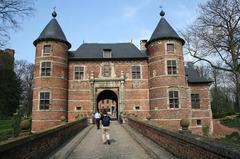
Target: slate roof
[119,51]
[52,31]
[164,31]
[194,77]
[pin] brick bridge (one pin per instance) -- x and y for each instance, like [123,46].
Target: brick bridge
[135,139]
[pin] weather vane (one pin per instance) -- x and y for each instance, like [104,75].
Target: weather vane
[54,14]
[162,13]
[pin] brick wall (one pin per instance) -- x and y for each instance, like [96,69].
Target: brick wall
[38,145]
[55,84]
[204,113]
[160,83]
[136,92]
[184,146]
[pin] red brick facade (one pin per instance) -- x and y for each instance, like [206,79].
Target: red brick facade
[66,88]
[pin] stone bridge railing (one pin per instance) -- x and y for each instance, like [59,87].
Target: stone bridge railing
[39,145]
[184,145]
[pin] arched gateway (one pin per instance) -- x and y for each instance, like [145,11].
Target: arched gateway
[108,94]
[108,100]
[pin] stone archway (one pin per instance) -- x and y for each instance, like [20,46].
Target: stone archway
[108,100]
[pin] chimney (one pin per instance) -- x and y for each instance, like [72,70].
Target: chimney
[142,44]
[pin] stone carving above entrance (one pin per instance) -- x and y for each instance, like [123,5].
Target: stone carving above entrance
[107,70]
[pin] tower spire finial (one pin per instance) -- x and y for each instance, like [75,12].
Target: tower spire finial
[162,13]
[54,14]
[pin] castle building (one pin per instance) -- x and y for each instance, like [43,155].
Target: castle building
[150,81]
[7,59]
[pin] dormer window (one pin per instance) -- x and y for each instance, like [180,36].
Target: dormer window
[107,53]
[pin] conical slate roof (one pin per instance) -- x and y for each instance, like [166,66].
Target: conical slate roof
[164,31]
[53,32]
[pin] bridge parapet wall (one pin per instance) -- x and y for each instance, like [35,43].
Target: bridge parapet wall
[184,145]
[39,145]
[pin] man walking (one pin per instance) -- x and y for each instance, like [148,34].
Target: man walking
[97,117]
[105,120]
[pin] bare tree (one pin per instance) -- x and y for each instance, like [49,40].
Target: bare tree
[12,13]
[215,37]
[24,72]
[221,98]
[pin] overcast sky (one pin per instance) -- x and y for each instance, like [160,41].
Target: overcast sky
[99,21]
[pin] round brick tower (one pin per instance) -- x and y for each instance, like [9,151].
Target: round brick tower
[168,93]
[50,77]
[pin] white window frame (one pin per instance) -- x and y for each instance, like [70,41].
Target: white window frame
[78,110]
[51,68]
[166,62]
[137,105]
[107,53]
[47,53]
[74,77]
[199,125]
[166,46]
[140,73]
[50,100]
[195,101]
[179,95]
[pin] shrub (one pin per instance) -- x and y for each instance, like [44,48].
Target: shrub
[205,130]
[231,122]
[222,115]
[232,138]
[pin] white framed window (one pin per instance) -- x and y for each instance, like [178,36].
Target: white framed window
[199,122]
[47,49]
[46,68]
[136,72]
[195,101]
[44,101]
[78,72]
[107,53]
[137,107]
[170,47]
[173,97]
[171,67]
[78,108]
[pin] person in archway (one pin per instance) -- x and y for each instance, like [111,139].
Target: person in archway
[97,117]
[105,121]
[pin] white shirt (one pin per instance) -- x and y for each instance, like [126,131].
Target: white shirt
[97,115]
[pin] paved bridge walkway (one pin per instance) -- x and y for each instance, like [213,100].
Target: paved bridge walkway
[125,144]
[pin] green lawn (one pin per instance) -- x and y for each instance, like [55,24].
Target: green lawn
[234,122]
[5,129]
